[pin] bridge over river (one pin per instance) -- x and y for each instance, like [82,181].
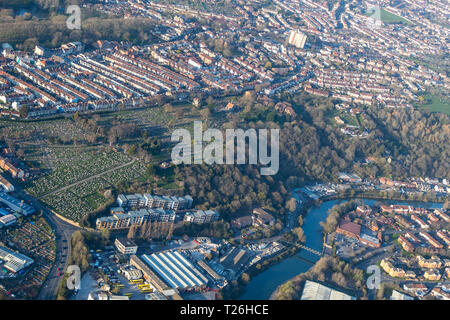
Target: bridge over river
[314,251]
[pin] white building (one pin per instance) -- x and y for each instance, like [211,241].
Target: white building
[316,291]
[8,220]
[5,184]
[297,39]
[125,246]
[14,261]
[396,295]
[201,216]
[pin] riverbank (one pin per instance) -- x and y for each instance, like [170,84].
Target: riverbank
[382,195]
[264,284]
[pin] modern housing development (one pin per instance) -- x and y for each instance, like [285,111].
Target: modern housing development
[154,201]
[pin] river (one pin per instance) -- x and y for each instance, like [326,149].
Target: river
[262,285]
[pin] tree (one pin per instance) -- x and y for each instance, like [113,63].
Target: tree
[245,278]
[380,291]
[300,220]
[170,232]
[168,108]
[446,205]
[148,231]
[291,205]
[300,234]
[132,232]
[108,194]
[23,111]
[142,230]
[205,113]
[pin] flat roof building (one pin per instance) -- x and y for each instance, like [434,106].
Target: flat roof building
[8,220]
[201,216]
[175,269]
[155,296]
[17,205]
[317,291]
[208,269]
[154,201]
[125,246]
[349,229]
[5,184]
[396,295]
[14,261]
[149,275]
[137,217]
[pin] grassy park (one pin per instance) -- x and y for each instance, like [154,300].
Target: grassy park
[388,17]
[433,103]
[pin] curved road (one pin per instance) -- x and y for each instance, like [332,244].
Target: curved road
[63,232]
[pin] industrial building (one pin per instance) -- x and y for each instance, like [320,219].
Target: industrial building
[16,205]
[155,296]
[176,270]
[149,275]
[132,274]
[361,233]
[14,261]
[235,259]
[210,271]
[102,295]
[316,291]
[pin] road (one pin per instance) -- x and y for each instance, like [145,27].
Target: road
[378,255]
[63,232]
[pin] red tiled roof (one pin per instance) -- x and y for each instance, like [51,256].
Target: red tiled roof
[350,227]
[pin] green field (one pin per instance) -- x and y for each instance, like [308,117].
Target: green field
[388,17]
[435,104]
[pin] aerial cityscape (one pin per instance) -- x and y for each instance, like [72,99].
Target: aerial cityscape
[224,150]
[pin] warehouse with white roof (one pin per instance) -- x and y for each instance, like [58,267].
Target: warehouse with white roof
[14,261]
[175,270]
[317,291]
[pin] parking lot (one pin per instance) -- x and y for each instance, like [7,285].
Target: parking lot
[105,270]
